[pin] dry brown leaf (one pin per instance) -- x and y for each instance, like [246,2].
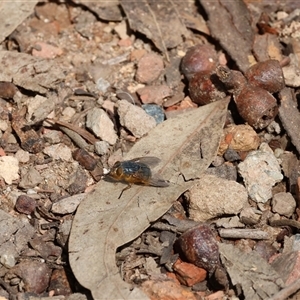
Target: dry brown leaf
[256,277]
[108,10]
[160,21]
[186,146]
[31,73]
[289,116]
[17,11]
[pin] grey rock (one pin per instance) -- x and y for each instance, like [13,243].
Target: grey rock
[30,178]
[135,119]
[102,126]
[260,171]
[283,204]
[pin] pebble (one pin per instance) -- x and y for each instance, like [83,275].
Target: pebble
[67,205]
[188,274]
[22,156]
[230,222]
[3,125]
[239,138]
[67,114]
[9,168]
[212,196]
[154,111]
[59,151]
[30,178]
[135,119]
[52,136]
[260,171]
[101,125]
[34,274]
[101,147]
[154,94]
[283,204]
[149,68]
[8,260]
[38,108]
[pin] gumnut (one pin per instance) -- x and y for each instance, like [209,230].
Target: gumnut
[267,75]
[199,246]
[25,204]
[256,106]
[205,87]
[197,59]
[234,81]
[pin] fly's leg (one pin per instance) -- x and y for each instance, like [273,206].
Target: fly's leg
[126,188]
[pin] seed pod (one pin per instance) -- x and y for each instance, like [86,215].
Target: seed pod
[256,106]
[199,246]
[267,75]
[197,59]
[205,88]
[25,204]
[234,81]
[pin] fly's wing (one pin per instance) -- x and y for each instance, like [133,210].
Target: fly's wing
[150,161]
[156,180]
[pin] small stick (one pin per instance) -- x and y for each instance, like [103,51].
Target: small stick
[285,222]
[243,234]
[85,134]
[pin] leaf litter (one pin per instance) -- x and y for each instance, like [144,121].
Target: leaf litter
[72,65]
[103,222]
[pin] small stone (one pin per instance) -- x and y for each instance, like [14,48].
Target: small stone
[34,274]
[154,111]
[260,171]
[166,288]
[102,85]
[25,204]
[154,94]
[59,151]
[9,168]
[38,108]
[3,125]
[30,178]
[7,260]
[101,147]
[284,204]
[102,126]
[52,136]
[188,274]
[230,222]
[212,196]
[22,156]
[149,68]
[67,205]
[135,119]
[67,114]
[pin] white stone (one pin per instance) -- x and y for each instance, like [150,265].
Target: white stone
[59,151]
[135,119]
[9,168]
[102,126]
[260,171]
